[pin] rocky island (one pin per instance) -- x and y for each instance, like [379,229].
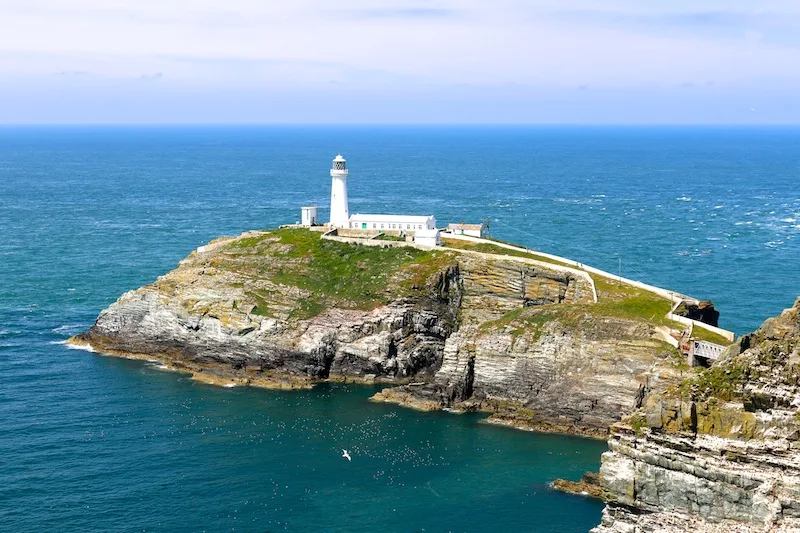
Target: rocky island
[535,342]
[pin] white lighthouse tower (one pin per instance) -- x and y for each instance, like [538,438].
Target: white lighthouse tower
[340,213]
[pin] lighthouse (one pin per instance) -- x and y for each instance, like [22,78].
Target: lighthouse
[340,213]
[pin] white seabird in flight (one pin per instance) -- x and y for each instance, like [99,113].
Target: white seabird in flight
[346,455]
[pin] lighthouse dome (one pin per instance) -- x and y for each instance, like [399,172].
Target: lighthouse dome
[339,164]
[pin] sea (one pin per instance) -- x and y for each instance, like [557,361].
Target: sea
[91,443]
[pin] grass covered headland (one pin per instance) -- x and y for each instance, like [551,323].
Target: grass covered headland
[322,274]
[294,273]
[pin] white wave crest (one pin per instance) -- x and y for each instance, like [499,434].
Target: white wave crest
[84,347]
[68,327]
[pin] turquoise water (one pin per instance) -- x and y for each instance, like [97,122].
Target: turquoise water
[92,443]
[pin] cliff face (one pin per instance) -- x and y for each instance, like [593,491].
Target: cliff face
[556,373]
[719,451]
[710,451]
[466,331]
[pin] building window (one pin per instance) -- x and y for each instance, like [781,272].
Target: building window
[381,226]
[374,225]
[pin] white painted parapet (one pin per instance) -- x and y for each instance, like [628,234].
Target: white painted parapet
[669,295]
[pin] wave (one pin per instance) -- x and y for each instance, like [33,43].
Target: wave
[84,347]
[4,345]
[66,328]
[578,201]
[684,198]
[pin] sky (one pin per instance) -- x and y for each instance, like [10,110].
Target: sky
[400,61]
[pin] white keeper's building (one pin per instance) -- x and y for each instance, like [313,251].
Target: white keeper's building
[340,210]
[407,223]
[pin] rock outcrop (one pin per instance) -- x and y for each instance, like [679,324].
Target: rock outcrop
[519,339]
[719,451]
[708,450]
[703,310]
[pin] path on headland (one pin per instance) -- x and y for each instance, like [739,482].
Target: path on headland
[567,265]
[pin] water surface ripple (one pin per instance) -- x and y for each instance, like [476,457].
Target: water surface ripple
[93,443]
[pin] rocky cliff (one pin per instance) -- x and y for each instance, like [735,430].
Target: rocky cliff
[719,451]
[521,339]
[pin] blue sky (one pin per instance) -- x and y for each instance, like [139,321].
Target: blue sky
[390,61]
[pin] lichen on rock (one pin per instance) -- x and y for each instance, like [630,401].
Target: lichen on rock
[460,330]
[465,330]
[719,450]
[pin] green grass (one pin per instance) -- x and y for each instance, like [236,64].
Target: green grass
[722,382]
[525,320]
[488,248]
[248,242]
[385,237]
[614,298]
[348,276]
[706,335]
[262,306]
[351,276]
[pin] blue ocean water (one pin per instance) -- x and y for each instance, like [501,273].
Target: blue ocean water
[94,443]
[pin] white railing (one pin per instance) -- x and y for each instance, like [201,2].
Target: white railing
[673,296]
[706,349]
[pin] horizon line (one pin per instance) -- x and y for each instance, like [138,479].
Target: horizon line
[403,124]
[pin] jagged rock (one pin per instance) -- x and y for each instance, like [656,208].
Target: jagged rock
[236,309]
[720,451]
[703,311]
[715,452]
[589,485]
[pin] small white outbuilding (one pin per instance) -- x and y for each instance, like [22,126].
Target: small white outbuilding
[472,230]
[428,237]
[309,216]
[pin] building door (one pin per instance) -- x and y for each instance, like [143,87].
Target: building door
[363,225]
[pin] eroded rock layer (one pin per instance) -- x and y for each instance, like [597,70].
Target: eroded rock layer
[519,339]
[718,452]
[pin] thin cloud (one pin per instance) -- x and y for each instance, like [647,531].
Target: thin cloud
[778,27]
[402,13]
[413,51]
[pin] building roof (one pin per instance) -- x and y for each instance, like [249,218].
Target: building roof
[426,233]
[411,219]
[338,157]
[465,226]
